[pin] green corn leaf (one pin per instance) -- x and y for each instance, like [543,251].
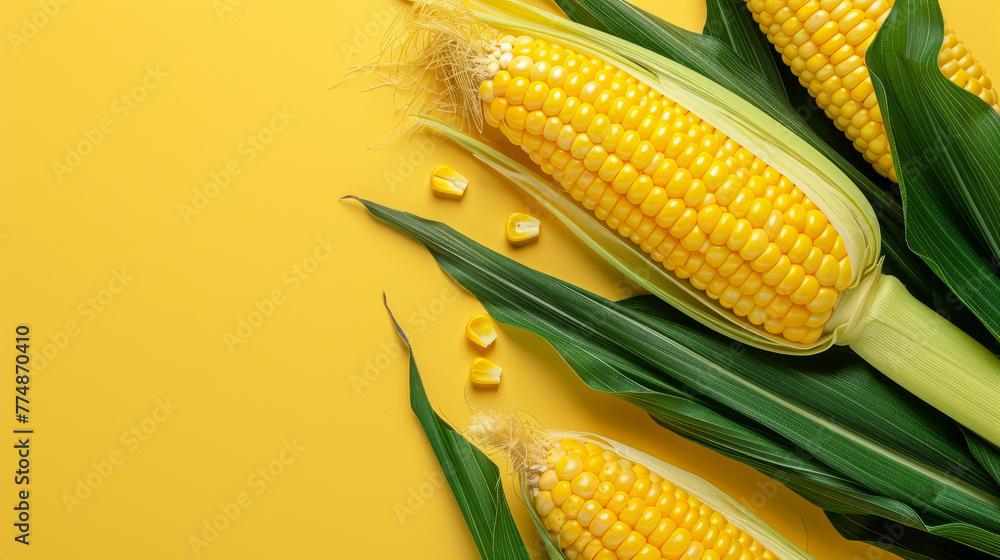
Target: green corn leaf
[474,479]
[875,531]
[711,57]
[828,426]
[727,21]
[731,22]
[988,456]
[946,144]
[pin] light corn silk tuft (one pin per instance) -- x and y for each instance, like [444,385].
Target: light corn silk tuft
[525,446]
[438,53]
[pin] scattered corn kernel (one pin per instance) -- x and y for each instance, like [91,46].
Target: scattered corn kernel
[484,373]
[480,330]
[522,229]
[447,182]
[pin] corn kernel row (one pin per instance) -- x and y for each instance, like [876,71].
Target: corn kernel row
[599,506]
[685,193]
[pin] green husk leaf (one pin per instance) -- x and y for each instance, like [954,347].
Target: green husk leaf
[727,22]
[835,430]
[711,57]
[924,546]
[946,144]
[474,479]
[987,455]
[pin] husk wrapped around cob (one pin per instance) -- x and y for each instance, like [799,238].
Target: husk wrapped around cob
[687,189]
[600,500]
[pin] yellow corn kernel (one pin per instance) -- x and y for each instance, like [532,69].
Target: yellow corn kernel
[658,520]
[484,373]
[569,532]
[522,229]
[480,330]
[569,466]
[587,513]
[585,484]
[447,182]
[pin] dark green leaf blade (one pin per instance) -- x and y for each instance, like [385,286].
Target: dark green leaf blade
[616,348]
[730,22]
[987,455]
[946,143]
[925,546]
[474,479]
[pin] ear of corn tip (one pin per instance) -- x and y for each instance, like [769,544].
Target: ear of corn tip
[605,500]
[447,182]
[484,373]
[481,330]
[522,229]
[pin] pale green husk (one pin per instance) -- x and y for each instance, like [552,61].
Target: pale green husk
[831,190]
[941,364]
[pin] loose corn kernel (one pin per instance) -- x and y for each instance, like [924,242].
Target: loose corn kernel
[522,229]
[480,330]
[484,373]
[708,209]
[447,182]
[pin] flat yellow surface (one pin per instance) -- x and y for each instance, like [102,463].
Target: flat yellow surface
[214,374]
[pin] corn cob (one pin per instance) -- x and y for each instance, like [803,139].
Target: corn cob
[824,43]
[731,239]
[686,194]
[596,503]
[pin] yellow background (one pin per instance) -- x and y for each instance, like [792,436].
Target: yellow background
[323,373]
